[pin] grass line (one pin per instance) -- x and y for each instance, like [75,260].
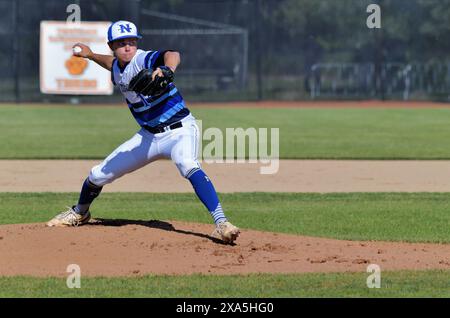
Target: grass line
[410,217]
[47,132]
[393,284]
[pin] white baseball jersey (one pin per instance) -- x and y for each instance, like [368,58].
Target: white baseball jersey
[180,144]
[152,111]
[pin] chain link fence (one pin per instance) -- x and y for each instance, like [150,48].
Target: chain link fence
[235,50]
[397,80]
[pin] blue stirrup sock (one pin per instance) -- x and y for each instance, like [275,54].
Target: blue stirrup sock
[88,193]
[207,194]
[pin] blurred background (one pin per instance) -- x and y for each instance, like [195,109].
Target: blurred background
[250,50]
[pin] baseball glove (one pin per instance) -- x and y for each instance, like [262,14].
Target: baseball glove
[143,84]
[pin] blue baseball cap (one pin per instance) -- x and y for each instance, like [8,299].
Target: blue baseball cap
[122,30]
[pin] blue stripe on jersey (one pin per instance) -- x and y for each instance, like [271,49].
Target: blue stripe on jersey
[163,110]
[153,59]
[166,115]
[147,58]
[150,59]
[176,117]
[156,101]
[160,113]
[156,111]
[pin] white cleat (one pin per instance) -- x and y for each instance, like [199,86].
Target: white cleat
[226,231]
[70,218]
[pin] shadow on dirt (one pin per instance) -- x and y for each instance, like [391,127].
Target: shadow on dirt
[155,224]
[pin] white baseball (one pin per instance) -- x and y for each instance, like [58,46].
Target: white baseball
[77,49]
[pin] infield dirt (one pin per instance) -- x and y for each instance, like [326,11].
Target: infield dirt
[130,248]
[293,176]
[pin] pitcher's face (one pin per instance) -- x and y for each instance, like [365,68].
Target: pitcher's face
[124,49]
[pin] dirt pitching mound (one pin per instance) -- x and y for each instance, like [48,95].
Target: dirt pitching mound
[130,248]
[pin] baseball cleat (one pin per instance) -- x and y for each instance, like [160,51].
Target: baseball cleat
[226,231]
[70,218]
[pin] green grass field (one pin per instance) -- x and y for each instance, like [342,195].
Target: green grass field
[393,284]
[58,132]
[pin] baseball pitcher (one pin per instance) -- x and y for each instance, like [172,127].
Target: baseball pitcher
[167,127]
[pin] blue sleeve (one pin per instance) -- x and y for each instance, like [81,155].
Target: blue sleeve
[151,58]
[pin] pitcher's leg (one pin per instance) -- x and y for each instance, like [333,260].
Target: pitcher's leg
[131,155]
[89,192]
[184,154]
[135,153]
[207,194]
[128,157]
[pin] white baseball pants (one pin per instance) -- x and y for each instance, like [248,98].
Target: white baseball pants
[180,145]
